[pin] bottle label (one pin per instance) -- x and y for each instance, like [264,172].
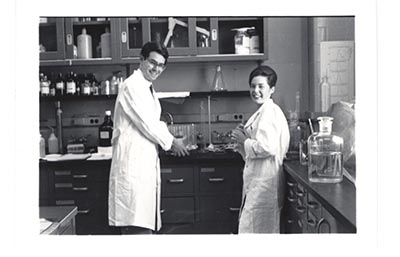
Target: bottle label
[45,89]
[60,85]
[86,90]
[71,88]
[104,135]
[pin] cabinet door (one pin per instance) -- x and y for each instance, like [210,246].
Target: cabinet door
[177,33]
[51,38]
[95,28]
[206,35]
[133,34]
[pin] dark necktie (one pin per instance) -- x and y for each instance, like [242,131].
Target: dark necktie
[151,89]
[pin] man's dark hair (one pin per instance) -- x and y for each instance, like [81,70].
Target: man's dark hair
[154,46]
[265,71]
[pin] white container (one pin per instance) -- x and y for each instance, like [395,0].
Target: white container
[53,143]
[254,41]
[84,45]
[242,41]
[42,151]
[105,44]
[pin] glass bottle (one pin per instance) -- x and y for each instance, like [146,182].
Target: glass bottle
[86,86]
[106,130]
[44,86]
[71,84]
[60,85]
[218,82]
[325,161]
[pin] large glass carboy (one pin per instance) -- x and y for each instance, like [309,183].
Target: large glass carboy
[325,161]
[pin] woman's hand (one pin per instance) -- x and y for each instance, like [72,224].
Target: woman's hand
[239,135]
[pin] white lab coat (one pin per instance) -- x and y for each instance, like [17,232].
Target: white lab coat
[134,187]
[263,183]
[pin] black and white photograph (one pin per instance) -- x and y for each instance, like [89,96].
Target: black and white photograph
[165,131]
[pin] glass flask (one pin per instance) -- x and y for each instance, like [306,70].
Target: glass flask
[218,81]
[325,159]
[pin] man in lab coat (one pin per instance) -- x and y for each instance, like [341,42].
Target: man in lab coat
[263,142]
[134,187]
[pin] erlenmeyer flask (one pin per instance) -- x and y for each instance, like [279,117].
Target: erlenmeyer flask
[218,82]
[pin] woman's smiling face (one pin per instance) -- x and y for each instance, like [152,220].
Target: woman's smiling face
[260,91]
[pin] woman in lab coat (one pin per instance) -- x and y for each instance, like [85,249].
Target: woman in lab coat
[263,142]
[134,187]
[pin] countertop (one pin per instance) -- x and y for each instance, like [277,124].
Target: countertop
[57,215]
[339,199]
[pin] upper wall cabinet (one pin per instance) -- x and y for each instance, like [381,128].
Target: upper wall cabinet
[51,38]
[96,40]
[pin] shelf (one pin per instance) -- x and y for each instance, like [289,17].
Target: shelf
[113,97]
[77,62]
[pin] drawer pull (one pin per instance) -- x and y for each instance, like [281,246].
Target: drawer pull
[300,209]
[207,170]
[176,180]
[234,209]
[291,199]
[300,193]
[80,188]
[80,176]
[86,211]
[322,221]
[313,204]
[290,221]
[216,180]
[162,211]
[311,222]
[65,202]
[291,184]
[62,172]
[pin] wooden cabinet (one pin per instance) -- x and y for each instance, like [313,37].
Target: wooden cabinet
[188,39]
[305,211]
[85,185]
[52,38]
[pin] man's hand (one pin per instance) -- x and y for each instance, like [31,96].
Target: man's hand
[178,147]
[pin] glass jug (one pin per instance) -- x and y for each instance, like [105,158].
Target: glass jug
[325,161]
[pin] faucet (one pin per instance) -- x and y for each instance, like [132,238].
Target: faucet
[171,119]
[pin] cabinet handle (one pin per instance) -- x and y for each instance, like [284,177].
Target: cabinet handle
[312,204]
[80,188]
[86,211]
[300,193]
[176,180]
[291,184]
[80,176]
[214,34]
[62,172]
[162,211]
[291,199]
[311,222]
[300,223]
[69,39]
[207,170]
[216,180]
[123,36]
[320,222]
[300,209]
[234,209]
[290,221]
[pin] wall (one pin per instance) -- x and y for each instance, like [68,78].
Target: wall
[288,55]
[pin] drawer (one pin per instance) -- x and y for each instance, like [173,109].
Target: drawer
[177,180]
[220,179]
[177,210]
[218,208]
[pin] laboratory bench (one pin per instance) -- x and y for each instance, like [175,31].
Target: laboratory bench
[201,194]
[317,207]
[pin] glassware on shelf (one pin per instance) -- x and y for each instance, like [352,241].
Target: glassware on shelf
[325,159]
[218,81]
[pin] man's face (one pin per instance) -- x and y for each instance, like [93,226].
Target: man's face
[152,66]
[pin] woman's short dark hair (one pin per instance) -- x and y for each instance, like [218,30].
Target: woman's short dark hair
[265,71]
[154,46]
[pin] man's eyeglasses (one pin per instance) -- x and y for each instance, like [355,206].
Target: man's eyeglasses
[156,64]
